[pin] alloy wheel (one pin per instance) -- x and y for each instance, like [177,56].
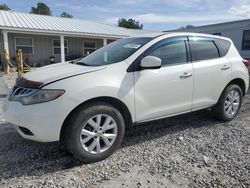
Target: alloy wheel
[98,134]
[232,103]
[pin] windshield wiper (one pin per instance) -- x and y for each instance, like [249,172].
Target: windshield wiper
[82,63]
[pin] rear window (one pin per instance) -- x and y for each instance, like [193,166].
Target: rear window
[203,50]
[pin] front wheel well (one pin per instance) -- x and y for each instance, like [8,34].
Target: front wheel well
[119,105]
[240,82]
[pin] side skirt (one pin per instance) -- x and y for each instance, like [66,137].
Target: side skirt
[170,115]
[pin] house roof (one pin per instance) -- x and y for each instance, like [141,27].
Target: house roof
[17,21]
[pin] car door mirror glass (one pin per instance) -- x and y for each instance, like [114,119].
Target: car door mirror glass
[150,62]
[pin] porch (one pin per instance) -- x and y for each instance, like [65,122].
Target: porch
[39,48]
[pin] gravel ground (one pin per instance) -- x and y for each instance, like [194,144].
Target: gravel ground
[191,150]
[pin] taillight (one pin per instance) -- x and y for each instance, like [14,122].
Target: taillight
[246,63]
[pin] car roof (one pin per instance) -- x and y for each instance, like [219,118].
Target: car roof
[170,34]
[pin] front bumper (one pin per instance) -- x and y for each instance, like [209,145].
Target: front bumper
[43,120]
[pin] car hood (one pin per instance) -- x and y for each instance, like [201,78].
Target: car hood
[59,71]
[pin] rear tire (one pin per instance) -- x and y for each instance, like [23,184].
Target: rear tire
[229,103]
[94,132]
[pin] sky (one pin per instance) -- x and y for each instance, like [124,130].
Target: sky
[156,15]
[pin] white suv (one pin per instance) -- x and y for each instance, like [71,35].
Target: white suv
[88,104]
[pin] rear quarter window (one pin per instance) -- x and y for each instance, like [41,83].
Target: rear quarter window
[223,46]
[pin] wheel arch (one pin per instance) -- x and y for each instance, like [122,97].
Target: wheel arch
[240,82]
[118,104]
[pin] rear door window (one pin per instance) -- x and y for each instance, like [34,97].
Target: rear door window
[203,49]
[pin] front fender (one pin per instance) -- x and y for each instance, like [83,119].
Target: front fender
[105,83]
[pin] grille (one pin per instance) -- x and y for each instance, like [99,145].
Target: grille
[18,91]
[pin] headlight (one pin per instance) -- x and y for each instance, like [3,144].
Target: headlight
[38,96]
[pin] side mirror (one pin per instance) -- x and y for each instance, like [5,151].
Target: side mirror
[150,62]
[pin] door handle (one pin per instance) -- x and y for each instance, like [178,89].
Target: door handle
[185,75]
[225,67]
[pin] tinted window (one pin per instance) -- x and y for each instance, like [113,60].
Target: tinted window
[203,50]
[246,40]
[173,52]
[223,46]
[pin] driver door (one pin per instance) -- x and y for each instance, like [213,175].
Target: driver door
[167,90]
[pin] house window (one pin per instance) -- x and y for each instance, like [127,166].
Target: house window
[218,34]
[25,44]
[246,40]
[57,46]
[110,40]
[89,47]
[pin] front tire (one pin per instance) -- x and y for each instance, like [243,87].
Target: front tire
[94,132]
[229,103]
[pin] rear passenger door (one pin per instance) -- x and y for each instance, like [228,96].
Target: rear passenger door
[212,71]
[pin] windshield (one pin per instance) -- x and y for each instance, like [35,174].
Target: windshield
[114,52]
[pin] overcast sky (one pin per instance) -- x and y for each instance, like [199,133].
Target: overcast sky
[154,15]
